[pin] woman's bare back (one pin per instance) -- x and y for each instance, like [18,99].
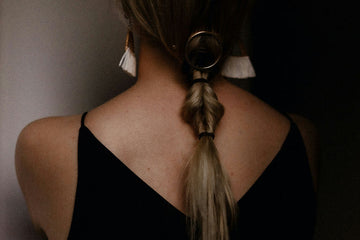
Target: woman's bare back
[145,131]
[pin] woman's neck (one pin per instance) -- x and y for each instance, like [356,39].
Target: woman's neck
[160,75]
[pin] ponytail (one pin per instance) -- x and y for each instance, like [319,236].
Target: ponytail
[209,200]
[208,197]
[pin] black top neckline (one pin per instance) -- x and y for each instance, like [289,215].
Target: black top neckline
[112,202]
[163,199]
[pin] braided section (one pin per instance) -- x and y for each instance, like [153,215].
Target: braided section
[208,196]
[201,108]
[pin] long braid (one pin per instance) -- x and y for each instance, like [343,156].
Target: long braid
[209,201]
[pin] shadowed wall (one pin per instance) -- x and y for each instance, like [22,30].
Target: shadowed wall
[56,58]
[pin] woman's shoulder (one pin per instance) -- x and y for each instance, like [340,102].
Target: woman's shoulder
[46,126]
[47,135]
[266,117]
[46,163]
[306,127]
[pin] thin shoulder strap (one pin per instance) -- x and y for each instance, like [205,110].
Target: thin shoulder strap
[287,116]
[83,119]
[292,123]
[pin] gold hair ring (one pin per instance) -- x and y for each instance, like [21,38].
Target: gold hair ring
[203,50]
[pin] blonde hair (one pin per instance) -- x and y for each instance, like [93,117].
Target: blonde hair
[209,201]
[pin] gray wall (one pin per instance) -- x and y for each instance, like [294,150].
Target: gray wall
[61,57]
[56,58]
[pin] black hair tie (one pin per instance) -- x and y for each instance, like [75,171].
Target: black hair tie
[209,134]
[199,80]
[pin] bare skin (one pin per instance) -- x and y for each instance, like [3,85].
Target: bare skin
[143,128]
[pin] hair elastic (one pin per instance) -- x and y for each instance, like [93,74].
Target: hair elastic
[199,80]
[210,134]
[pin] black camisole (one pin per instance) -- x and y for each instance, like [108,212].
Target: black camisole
[113,203]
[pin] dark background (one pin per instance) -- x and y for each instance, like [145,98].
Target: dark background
[306,57]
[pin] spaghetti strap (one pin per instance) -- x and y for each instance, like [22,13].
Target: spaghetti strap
[83,119]
[287,116]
